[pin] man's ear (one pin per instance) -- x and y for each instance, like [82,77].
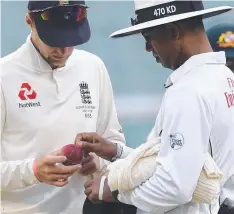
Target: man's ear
[174,31]
[29,20]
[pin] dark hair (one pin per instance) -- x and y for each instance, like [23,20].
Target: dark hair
[191,23]
[163,31]
[31,15]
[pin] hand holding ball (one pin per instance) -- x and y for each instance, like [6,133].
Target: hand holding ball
[74,154]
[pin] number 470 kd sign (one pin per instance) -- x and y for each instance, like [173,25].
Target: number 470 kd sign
[165,10]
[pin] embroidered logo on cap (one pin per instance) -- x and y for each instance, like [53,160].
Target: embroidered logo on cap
[63,2]
[226,40]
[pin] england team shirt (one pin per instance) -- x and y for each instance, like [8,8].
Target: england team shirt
[41,111]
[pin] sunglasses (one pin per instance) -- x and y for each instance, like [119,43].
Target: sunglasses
[76,14]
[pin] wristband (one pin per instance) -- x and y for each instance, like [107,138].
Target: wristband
[101,188]
[35,172]
[119,152]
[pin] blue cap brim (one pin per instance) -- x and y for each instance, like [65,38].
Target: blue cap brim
[64,37]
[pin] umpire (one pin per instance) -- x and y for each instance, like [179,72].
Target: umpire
[222,39]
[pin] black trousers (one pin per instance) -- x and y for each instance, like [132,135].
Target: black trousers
[108,208]
[120,208]
[224,209]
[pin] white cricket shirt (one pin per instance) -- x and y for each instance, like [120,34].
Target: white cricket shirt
[196,116]
[41,111]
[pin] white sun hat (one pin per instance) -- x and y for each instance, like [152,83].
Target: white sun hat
[151,13]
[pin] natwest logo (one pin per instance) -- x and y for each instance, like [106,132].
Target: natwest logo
[27,93]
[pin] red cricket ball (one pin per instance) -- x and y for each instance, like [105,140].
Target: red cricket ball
[73,153]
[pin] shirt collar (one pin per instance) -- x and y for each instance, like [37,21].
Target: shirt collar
[38,62]
[36,58]
[193,62]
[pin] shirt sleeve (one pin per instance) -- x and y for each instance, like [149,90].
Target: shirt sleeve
[3,111]
[17,174]
[14,174]
[185,137]
[108,125]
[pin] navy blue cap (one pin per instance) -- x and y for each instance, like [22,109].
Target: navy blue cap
[44,5]
[221,38]
[57,22]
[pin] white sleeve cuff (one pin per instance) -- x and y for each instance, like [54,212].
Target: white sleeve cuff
[126,151]
[30,177]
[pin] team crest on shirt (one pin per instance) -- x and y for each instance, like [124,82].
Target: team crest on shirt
[86,99]
[85,93]
[176,141]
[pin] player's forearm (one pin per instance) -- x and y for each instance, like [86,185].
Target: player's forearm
[116,151]
[157,195]
[17,174]
[112,156]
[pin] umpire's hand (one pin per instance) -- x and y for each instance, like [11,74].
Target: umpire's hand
[91,142]
[92,189]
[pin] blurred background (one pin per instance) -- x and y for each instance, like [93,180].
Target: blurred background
[136,77]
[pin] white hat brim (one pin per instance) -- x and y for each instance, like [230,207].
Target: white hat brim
[139,27]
